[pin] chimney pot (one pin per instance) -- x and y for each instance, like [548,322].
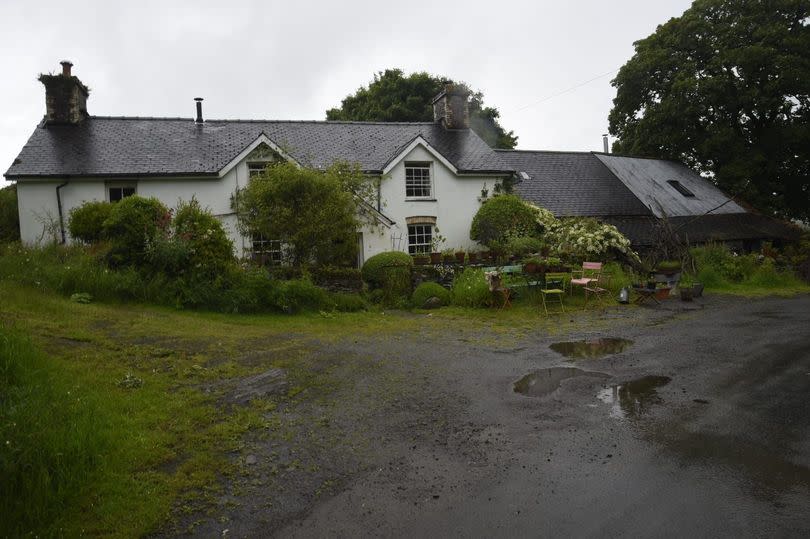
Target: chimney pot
[605,145]
[65,97]
[199,101]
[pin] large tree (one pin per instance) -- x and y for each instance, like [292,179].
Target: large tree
[394,97]
[724,88]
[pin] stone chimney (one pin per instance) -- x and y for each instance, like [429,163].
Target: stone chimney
[65,97]
[451,107]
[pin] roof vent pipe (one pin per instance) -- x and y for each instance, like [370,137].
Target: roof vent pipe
[605,143]
[199,101]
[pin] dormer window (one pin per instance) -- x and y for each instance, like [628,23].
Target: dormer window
[681,188]
[256,169]
[418,183]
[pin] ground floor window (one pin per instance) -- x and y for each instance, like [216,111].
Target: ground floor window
[119,192]
[267,252]
[420,238]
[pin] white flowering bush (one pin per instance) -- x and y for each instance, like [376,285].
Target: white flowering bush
[583,237]
[588,238]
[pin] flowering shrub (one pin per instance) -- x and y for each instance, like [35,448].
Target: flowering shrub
[585,237]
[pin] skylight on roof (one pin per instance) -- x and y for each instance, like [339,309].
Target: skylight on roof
[525,175]
[681,188]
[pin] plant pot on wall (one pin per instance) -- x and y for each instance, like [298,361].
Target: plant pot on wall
[435,258]
[460,256]
[472,257]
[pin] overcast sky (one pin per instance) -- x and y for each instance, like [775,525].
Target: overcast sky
[292,60]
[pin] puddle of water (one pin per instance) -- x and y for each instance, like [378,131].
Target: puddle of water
[591,349]
[543,382]
[633,399]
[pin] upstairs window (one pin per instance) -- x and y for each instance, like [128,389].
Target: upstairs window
[681,188]
[417,180]
[119,192]
[420,239]
[255,169]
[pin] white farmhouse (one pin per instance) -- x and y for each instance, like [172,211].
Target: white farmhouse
[432,175]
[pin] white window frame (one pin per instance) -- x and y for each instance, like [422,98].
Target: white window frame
[417,231]
[420,182]
[110,186]
[256,168]
[269,252]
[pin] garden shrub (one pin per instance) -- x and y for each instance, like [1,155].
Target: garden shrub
[133,224]
[374,269]
[585,238]
[390,272]
[209,248]
[300,295]
[428,290]
[347,303]
[86,221]
[503,217]
[522,246]
[9,215]
[719,267]
[470,289]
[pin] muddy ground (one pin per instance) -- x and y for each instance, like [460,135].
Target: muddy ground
[699,427]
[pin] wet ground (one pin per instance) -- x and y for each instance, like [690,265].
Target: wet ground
[697,423]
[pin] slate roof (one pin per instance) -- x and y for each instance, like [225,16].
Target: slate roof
[642,231]
[648,180]
[116,146]
[571,184]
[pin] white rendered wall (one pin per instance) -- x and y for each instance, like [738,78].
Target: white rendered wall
[456,202]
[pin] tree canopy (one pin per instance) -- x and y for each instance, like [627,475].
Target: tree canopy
[313,213]
[394,97]
[724,89]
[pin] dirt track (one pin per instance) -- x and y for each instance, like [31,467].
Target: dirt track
[424,435]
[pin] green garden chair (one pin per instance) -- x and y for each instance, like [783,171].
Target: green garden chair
[554,285]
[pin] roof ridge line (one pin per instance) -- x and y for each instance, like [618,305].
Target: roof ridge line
[243,120]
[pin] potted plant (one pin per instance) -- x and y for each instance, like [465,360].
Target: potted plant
[554,264]
[460,256]
[472,256]
[436,245]
[532,264]
[697,290]
[662,291]
[448,256]
[685,287]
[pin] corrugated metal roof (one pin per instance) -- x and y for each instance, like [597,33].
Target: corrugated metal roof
[647,179]
[571,184]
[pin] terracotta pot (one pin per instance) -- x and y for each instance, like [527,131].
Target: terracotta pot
[435,258]
[460,256]
[472,257]
[662,293]
[531,267]
[448,259]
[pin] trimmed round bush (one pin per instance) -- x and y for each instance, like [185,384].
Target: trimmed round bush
[428,290]
[378,266]
[503,217]
[86,222]
[134,222]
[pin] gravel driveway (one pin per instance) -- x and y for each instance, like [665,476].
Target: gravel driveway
[697,425]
